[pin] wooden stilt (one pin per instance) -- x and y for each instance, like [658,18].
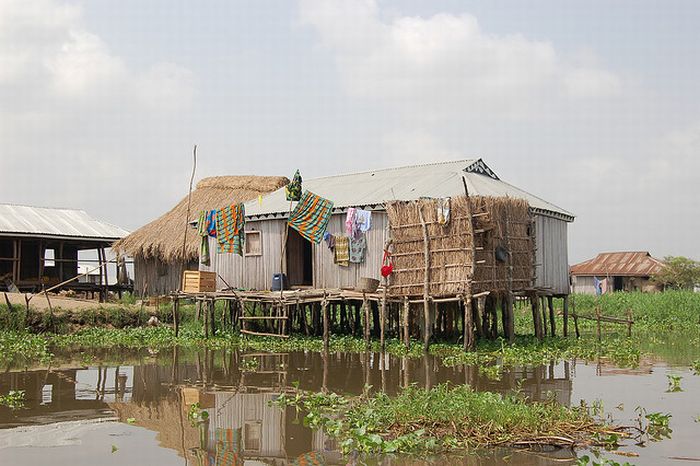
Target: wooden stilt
[476,316]
[552,321]
[176,315]
[324,310]
[406,311]
[544,315]
[382,317]
[566,316]
[537,316]
[468,324]
[365,307]
[494,315]
[510,311]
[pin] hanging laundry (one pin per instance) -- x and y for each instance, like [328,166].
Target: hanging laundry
[310,217]
[230,229]
[211,222]
[363,220]
[350,223]
[203,231]
[330,240]
[443,211]
[293,189]
[357,249]
[342,250]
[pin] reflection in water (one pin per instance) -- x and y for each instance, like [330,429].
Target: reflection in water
[236,389]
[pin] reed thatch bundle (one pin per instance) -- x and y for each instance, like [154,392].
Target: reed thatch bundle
[162,238]
[506,224]
[461,254]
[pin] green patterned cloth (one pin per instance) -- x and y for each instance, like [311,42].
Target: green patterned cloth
[204,258]
[293,189]
[230,229]
[310,217]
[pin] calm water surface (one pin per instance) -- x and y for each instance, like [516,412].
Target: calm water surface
[89,411]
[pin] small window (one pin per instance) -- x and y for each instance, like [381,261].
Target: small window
[252,436]
[49,258]
[253,243]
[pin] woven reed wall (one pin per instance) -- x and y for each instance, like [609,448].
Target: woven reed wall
[453,249]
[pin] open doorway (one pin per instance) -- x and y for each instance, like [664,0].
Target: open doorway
[300,270]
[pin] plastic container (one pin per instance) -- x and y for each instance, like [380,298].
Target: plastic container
[279,282]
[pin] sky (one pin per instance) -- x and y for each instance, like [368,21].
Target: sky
[592,105]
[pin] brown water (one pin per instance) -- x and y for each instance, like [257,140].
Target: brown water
[77,413]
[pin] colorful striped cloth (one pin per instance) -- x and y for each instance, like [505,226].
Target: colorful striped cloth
[202,229]
[310,217]
[309,459]
[230,229]
[342,250]
[228,447]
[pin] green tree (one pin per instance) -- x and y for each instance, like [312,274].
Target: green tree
[679,273]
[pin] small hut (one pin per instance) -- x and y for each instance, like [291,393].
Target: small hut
[39,247]
[157,247]
[616,271]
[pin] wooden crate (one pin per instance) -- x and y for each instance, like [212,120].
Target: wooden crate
[198,281]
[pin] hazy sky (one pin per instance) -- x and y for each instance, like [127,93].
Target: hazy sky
[593,105]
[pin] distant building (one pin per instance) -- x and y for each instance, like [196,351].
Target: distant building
[39,246]
[616,271]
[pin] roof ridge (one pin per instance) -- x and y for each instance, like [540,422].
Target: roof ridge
[14,204]
[400,167]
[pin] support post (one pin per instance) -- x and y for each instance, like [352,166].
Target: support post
[537,317]
[382,316]
[566,316]
[468,323]
[176,317]
[629,323]
[544,315]
[406,312]
[324,311]
[510,330]
[365,308]
[597,318]
[552,321]
[426,280]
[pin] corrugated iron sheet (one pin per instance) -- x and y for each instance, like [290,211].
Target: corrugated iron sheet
[50,222]
[374,188]
[628,264]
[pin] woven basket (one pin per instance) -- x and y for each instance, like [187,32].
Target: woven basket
[367,285]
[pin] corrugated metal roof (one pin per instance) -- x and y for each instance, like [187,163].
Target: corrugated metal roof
[54,222]
[629,264]
[374,188]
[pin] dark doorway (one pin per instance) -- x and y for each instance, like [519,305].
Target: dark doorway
[618,284]
[299,260]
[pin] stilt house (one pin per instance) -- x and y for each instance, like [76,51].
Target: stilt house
[157,247]
[393,196]
[39,246]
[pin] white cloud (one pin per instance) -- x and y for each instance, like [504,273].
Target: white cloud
[81,116]
[446,64]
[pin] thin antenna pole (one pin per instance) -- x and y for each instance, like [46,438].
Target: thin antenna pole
[189,198]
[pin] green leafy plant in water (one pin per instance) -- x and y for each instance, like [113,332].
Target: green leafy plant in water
[13,400]
[674,383]
[586,460]
[695,366]
[653,426]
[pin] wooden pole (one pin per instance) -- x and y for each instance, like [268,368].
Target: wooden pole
[510,331]
[566,316]
[189,199]
[382,316]
[468,324]
[575,316]
[365,308]
[597,317]
[324,310]
[176,315]
[552,322]
[544,315]
[629,322]
[406,312]
[426,280]
[537,316]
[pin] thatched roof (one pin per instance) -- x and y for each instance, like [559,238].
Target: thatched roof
[162,238]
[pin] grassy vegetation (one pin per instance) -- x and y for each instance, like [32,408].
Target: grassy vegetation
[444,418]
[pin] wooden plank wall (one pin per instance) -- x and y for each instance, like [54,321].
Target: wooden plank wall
[250,272]
[255,272]
[551,257]
[329,275]
[147,271]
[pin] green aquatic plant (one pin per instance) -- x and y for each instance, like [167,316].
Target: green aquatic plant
[674,383]
[695,367]
[442,418]
[13,400]
[197,415]
[248,364]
